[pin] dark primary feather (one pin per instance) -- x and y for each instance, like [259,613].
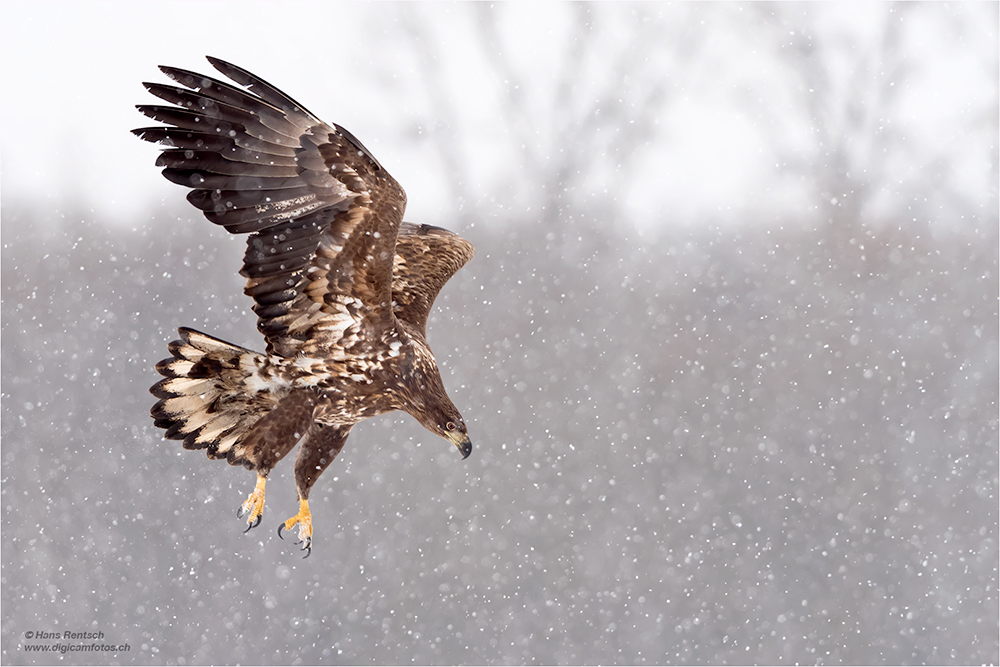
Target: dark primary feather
[258,86]
[322,212]
[278,98]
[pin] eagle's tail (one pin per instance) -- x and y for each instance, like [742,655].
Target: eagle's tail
[205,398]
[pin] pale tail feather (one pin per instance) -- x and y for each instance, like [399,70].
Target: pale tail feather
[205,399]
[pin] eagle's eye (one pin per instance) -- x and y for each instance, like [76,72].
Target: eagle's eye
[450,426]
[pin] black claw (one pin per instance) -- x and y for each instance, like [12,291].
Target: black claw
[239,512]
[253,524]
[308,541]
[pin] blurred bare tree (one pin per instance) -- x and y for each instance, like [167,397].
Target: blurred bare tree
[572,129]
[862,157]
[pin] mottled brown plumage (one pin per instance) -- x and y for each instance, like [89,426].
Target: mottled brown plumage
[342,286]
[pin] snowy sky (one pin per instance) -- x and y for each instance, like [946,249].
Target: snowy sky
[729,448]
[71,74]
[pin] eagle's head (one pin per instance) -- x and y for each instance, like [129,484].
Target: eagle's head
[443,419]
[455,431]
[432,408]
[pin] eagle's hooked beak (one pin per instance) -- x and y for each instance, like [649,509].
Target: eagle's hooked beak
[462,441]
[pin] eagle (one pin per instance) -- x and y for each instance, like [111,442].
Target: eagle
[342,286]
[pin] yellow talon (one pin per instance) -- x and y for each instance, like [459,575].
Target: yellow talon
[253,507]
[304,521]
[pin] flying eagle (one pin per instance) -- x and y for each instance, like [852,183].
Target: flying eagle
[342,286]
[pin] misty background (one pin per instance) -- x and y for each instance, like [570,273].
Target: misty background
[728,350]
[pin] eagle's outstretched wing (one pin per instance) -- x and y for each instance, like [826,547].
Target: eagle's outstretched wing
[323,213]
[426,257]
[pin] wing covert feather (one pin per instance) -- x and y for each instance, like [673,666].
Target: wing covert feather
[426,258]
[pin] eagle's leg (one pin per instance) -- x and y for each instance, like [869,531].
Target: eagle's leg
[253,507]
[317,452]
[267,442]
[304,521]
